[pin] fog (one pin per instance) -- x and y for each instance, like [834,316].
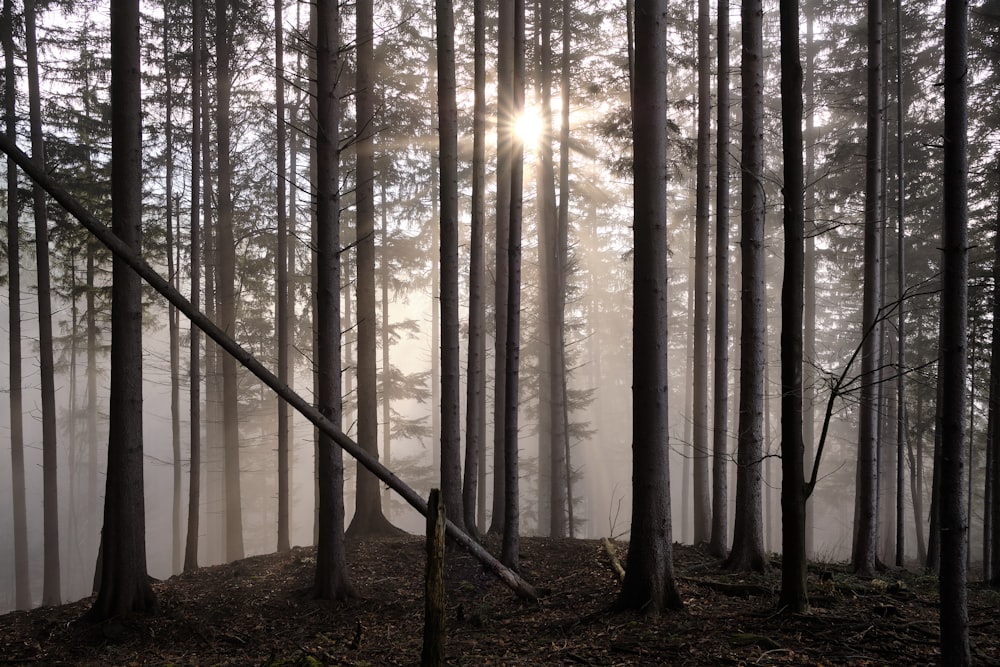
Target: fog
[602,459]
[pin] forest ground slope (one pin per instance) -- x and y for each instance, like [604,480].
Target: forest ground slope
[258,611]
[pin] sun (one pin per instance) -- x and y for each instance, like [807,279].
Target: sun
[528,126]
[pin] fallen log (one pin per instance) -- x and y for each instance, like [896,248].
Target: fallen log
[229,344]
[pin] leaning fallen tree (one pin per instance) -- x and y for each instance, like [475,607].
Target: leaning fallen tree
[227,343]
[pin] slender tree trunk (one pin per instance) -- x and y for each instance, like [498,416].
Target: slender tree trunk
[748,548]
[703,193]
[51,594]
[451,432]
[649,577]
[993,439]
[194,482]
[475,377]
[124,585]
[368,516]
[934,528]
[954,299]
[901,444]
[554,267]
[332,577]
[863,556]
[505,79]
[22,578]
[216,482]
[281,283]
[562,246]
[794,491]
[386,344]
[720,413]
[809,262]
[510,552]
[227,282]
[92,444]
[172,318]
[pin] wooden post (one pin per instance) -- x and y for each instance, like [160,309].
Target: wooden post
[433,653]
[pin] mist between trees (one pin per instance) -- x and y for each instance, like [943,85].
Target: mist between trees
[574,435]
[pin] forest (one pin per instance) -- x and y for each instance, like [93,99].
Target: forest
[680,306]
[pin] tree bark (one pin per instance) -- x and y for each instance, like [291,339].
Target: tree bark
[281,284]
[703,192]
[510,550]
[173,333]
[794,596]
[51,594]
[954,298]
[505,83]
[993,437]
[475,376]
[194,482]
[22,578]
[332,577]
[124,585]
[451,433]
[368,516]
[720,414]
[227,294]
[649,577]
[901,292]
[748,548]
[863,556]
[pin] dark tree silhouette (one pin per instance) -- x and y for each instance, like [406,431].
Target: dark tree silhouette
[649,575]
[124,584]
[332,578]
[748,546]
[22,580]
[793,487]
[954,340]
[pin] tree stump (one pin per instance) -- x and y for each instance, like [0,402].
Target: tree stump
[433,651]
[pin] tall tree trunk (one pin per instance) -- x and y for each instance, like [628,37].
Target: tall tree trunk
[227,281]
[562,247]
[901,292]
[505,79]
[451,430]
[92,443]
[124,585]
[281,283]
[22,577]
[172,316]
[194,482]
[793,488]
[954,299]
[809,263]
[51,593]
[475,375]
[993,439]
[553,267]
[332,577]
[748,548]
[368,516]
[703,192]
[649,577]
[510,551]
[863,557]
[720,412]
[386,344]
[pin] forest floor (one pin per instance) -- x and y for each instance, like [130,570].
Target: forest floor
[259,611]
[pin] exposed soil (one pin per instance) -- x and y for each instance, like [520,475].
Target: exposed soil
[259,612]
